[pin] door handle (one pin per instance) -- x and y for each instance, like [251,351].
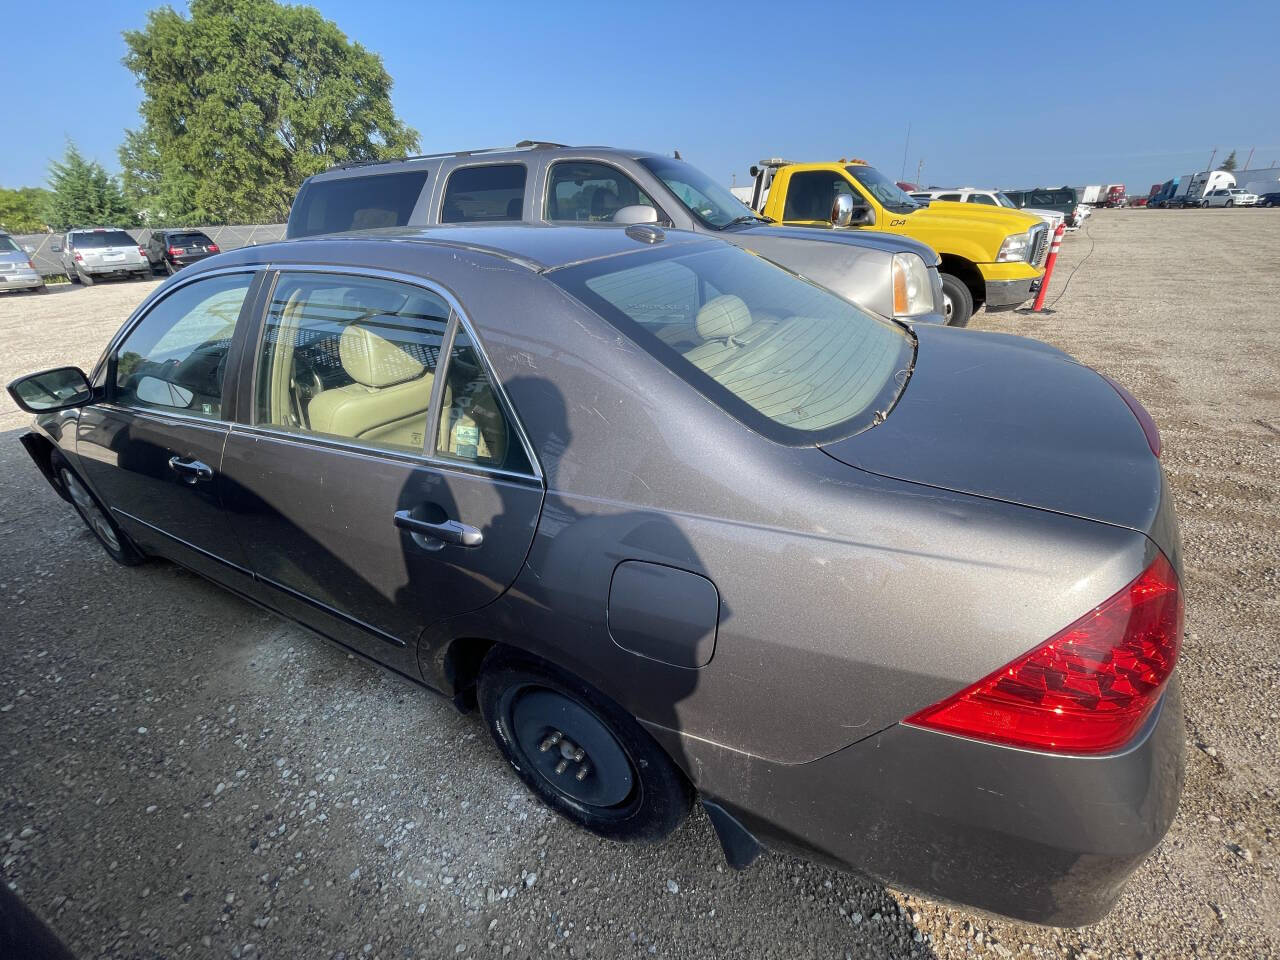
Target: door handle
[191,471]
[450,531]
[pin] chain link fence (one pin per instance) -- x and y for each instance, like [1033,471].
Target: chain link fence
[227,238]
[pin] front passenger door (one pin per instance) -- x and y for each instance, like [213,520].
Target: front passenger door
[378,482]
[153,448]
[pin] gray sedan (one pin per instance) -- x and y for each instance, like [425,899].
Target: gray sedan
[683,525]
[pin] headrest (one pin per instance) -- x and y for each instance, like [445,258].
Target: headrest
[373,360]
[722,318]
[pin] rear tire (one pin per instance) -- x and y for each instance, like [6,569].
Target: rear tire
[95,515]
[957,301]
[85,279]
[613,780]
[1229,203]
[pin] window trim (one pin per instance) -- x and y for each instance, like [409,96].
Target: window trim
[244,422]
[444,192]
[103,377]
[663,217]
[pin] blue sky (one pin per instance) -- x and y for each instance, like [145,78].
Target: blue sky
[1016,94]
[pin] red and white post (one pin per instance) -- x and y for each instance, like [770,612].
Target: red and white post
[1048,266]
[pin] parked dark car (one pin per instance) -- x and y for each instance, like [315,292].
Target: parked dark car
[1063,200]
[682,524]
[171,250]
[1269,200]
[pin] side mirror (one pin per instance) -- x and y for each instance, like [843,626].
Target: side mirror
[55,246]
[842,210]
[162,393]
[59,389]
[636,213]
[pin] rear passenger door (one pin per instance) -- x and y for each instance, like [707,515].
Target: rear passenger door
[377,479]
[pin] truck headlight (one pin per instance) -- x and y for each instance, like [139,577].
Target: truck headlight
[1015,247]
[912,292]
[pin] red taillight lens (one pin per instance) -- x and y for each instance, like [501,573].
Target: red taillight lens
[143,251]
[212,248]
[1144,419]
[176,251]
[1086,689]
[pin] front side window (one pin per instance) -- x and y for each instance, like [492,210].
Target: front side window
[1005,201]
[175,359]
[580,191]
[492,192]
[786,357]
[355,203]
[982,198]
[706,199]
[811,195]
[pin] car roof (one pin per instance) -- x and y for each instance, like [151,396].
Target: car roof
[538,247]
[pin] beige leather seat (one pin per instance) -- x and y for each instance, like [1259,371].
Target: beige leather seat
[387,403]
[720,324]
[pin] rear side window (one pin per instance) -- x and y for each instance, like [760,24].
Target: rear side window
[949,196]
[982,198]
[356,203]
[493,192]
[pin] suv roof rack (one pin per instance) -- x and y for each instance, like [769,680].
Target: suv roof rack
[522,145]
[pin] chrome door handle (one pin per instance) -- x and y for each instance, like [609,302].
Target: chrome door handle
[450,531]
[191,471]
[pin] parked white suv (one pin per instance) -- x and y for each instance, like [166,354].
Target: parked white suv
[1230,197]
[91,254]
[990,198]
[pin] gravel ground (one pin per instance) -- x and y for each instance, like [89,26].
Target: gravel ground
[186,775]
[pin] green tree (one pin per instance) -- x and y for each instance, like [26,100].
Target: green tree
[242,101]
[22,210]
[1230,162]
[83,194]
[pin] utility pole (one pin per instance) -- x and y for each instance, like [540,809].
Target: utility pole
[1212,157]
[919,168]
[905,147]
[1250,160]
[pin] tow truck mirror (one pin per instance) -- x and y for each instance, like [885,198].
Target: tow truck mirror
[842,210]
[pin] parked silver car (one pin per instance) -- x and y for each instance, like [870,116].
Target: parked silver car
[17,270]
[89,255]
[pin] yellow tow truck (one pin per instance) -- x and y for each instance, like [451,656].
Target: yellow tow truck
[991,257]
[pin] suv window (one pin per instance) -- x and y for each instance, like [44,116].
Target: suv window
[176,357]
[982,198]
[491,192]
[949,196]
[811,194]
[95,239]
[783,355]
[582,191]
[355,203]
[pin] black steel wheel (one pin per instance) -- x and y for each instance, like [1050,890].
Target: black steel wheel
[582,754]
[95,516]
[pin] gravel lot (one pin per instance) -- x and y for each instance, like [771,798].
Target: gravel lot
[183,774]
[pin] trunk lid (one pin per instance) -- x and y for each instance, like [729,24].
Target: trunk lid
[1016,420]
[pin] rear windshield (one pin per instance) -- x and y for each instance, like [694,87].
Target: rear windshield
[788,358]
[102,238]
[493,192]
[188,239]
[355,203]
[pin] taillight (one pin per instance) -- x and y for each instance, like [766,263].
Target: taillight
[79,257]
[1086,689]
[176,251]
[1140,412]
[212,248]
[31,264]
[142,251]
